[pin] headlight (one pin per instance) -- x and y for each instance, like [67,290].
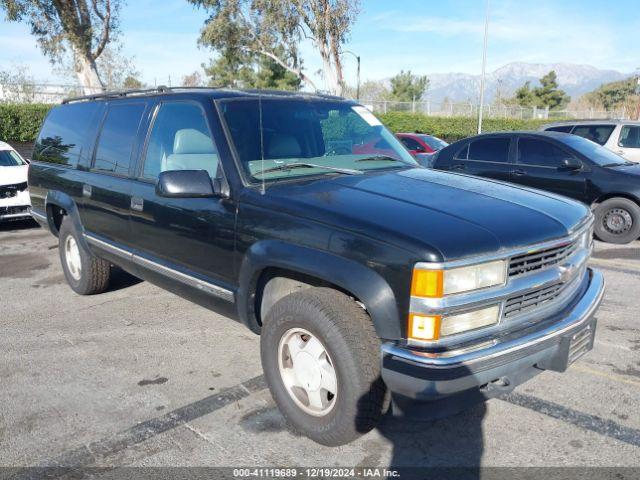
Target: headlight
[439,283]
[433,327]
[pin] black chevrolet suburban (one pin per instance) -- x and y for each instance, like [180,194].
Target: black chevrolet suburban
[371,281]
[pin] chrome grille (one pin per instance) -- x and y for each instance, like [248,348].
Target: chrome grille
[540,259]
[532,300]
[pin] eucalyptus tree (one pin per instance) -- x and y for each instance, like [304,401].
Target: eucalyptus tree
[240,29]
[83,27]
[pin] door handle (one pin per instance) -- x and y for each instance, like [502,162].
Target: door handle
[86,191]
[458,166]
[137,204]
[518,172]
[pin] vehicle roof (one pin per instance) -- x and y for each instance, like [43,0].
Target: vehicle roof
[5,146]
[215,93]
[535,133]
[415,133]
[602,121]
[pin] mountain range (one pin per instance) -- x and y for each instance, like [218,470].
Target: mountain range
[576,80]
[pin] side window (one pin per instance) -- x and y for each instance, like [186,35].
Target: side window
[540,153]
[596,133]
[117,137]
[67,133]
[630,137]
[411,143]
[463,154]
[560,128]
[180,140]
[490,150]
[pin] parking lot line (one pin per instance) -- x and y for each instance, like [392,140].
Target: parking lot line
[586,421]
[87,455]
[610,376]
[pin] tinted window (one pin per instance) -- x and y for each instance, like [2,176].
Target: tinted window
[463,154]
[117,137]
[594,152]
[533,151]
[490,150]
[180,140]
[596,133]
[67,133]
[9,158]
[630,137]
[411,143]
[562,128]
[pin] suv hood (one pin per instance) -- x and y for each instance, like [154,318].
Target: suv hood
[440,216]
[14,174]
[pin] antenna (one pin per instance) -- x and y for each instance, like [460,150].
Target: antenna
[261,141]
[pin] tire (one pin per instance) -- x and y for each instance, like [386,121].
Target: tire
[617,221]
[352,347]
[86,274]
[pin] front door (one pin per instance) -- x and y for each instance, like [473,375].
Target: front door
[628,144]
[539,164]
[194,236]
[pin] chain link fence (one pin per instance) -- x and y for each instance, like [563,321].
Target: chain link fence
[468,109]
[55,93]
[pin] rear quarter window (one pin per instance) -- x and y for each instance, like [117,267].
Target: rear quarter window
[67,133]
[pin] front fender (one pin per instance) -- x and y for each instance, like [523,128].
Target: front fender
[364,283]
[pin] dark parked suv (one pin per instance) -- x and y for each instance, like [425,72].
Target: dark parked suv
[561,163]
[363,273]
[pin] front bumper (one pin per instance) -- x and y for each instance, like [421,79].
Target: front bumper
[507,360]
[17,207]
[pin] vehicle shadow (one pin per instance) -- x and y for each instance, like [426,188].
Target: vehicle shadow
[120,280]
[428,443]
[15,225]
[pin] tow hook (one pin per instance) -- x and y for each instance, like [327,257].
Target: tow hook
[500,385]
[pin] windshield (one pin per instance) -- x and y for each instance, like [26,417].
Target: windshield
[434,142]
[594,152]
[9,158]
[315,137]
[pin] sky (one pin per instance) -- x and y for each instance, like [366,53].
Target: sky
[424,36]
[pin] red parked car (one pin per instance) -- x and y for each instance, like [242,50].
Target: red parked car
[421,142]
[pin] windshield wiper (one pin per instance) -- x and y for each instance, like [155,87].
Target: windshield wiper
[292,165]
[379,158]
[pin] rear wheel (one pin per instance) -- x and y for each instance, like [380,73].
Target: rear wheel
[86,274]
[321,359]
[617,221]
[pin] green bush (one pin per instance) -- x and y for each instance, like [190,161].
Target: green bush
[21,122]
[452,128]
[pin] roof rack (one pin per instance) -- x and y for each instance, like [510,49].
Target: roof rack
[131,92]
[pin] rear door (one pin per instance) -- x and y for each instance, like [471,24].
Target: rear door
[539,164]
[106,188]
[485,157]
[194,236]
[628,143]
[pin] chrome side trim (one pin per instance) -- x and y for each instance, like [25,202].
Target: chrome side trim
[121,252]
[190,280]
[581,314]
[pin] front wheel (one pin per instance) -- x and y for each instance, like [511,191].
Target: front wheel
[321,359]
[617,221]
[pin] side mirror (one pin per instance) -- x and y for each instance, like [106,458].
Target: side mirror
[570,164]
[185,184]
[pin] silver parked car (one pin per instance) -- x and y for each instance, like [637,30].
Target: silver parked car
[619,136]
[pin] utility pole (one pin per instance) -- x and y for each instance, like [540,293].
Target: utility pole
[638,93]
[484,68]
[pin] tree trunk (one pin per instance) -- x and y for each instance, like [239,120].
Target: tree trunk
[87,74]
[330,75]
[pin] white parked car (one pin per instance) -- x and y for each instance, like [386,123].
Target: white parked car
[619,136]
[14,197]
